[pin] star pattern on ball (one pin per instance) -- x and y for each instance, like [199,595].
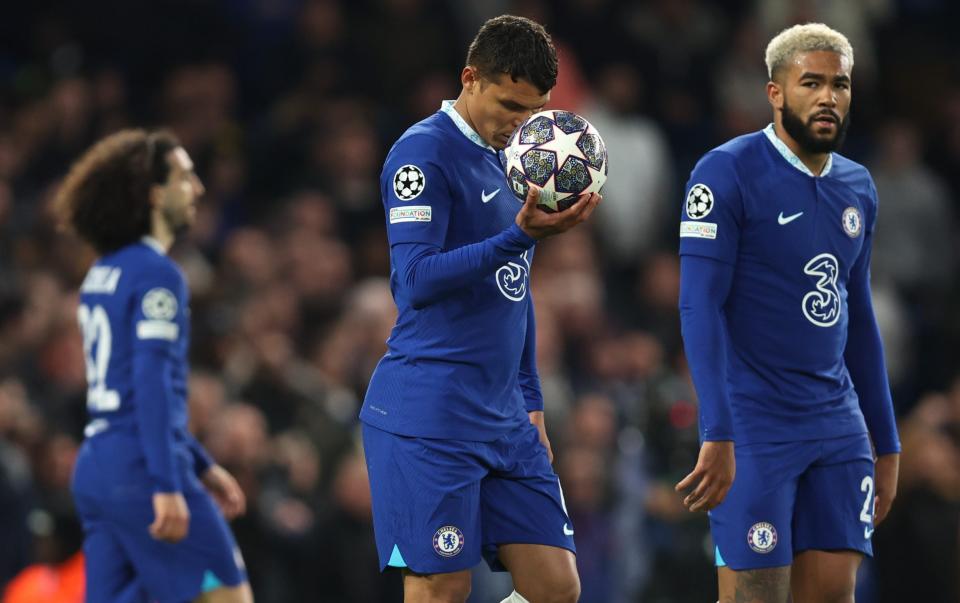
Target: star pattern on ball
[564,145]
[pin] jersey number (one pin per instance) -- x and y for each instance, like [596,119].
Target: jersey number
[866,514]
[822,306]
[97,341]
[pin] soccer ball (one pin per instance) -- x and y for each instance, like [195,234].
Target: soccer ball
[561,153]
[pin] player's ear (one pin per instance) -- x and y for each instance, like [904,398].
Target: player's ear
[470,79]
[155,195]
[775,94]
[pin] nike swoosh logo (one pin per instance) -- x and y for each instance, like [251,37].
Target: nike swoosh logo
[867,532]
[567,531]
[486,198]
[781,220]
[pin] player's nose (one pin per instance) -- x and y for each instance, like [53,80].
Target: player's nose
[828,98]
[198,187]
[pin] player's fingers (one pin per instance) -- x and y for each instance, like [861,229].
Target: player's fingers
[688,481]
[708,500]
[239,501]
[595,199]
[700,492]
[180,527]
[165,529]
[881,509]
[156,528]
[533,197]
[575,212]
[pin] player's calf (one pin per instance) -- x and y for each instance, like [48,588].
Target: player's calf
[769,585]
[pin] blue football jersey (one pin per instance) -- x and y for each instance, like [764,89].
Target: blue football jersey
[451,369]
[794,240]
[133,305]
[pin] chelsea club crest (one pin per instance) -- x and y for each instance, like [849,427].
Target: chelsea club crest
[448,541]
[852,222]
[762,537]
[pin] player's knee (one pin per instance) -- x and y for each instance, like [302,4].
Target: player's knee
[439,588]
[560,590]
[453,592]
[841,592]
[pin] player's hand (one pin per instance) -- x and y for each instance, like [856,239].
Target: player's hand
[711,478]
[539,224]
[536,417]
[887,472]
[171,517]
[225,491]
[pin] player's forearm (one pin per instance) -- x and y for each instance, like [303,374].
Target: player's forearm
[864,360]
[201,458]
[153,401]
[704,285]
[428,274]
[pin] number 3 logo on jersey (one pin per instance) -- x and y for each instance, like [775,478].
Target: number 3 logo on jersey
[822,306]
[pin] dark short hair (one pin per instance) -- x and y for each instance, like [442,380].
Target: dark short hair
[518,47]
[105,197]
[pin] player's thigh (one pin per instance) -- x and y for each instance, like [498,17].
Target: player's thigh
[542,573]
[453,587]
[521,499]
[426,501]
[207,559]
[835,496]
[767,585]
[227,594]
[825,576]
[752,527]
[110,575]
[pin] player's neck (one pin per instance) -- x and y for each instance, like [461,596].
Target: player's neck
[161,232]
[460,106]
[815,162]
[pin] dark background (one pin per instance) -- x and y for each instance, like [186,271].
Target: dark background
[288,108]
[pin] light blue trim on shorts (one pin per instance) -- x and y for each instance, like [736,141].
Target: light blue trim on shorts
[210,582]
[718,558]
[396,559]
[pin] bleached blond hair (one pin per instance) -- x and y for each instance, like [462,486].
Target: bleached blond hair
[808,37]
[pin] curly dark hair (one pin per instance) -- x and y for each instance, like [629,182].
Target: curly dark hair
[518,47]
[105,197]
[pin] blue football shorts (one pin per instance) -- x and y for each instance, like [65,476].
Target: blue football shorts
[791,497]
[124,563]
[441,505]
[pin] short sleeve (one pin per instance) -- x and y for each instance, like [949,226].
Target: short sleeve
[159,311]
[712,213]
[416,195]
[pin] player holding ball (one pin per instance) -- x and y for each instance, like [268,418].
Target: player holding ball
[456,447]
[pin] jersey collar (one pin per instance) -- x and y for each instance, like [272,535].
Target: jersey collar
[463,126]
[154,244]
[791,157]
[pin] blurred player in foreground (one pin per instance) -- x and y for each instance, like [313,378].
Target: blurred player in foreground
[782,340]
[142,483]
[456,448]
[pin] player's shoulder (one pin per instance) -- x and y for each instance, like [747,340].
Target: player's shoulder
[736,154]
[853,174]
[145,263]
[425,140]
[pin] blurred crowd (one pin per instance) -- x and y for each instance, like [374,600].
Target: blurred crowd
[288,108]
